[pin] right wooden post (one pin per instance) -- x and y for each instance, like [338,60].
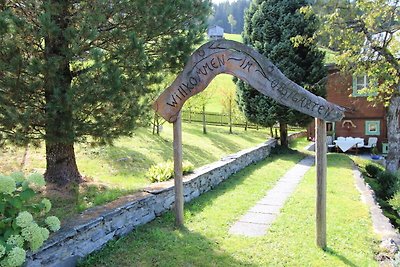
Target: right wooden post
[321,165]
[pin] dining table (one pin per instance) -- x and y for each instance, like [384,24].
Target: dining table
[345,145]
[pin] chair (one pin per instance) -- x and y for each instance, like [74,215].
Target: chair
[329,142]
[359,144]
[371,142]
[341,138]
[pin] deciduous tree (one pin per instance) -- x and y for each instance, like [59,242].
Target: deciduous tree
[366,34]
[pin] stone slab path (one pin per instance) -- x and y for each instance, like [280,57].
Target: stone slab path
[260,217]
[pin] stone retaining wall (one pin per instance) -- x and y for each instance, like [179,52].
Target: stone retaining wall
[92,229]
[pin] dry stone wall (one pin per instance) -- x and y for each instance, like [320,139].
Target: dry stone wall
[92,229]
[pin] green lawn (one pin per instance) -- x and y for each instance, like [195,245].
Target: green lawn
[216,87]
[290,241]
[120,169]
[233,37]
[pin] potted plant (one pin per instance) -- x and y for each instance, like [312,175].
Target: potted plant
[375,153]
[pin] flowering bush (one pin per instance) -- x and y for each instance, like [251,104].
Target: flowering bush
[21,214]
[165,171]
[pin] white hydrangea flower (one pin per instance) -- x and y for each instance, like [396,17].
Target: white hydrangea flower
[7,185]
[47,204]
[36,179]
[18,177]
[45,233]
[15,241]
[2,250]
[24,219]
[53,223]
[33,234]
[16,257]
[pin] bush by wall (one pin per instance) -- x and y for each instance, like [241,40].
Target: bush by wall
[165,170]
[21,214]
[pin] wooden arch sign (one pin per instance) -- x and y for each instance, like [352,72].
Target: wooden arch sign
[224,56]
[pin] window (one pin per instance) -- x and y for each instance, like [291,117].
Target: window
[359,83]
[372,127]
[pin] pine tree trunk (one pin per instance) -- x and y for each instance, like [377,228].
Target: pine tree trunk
[60,156]
[61,164]
[283,134]
[204,120]
[271,131]
[24,157]
[393,156]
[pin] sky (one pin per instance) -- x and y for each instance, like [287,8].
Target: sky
[219,1]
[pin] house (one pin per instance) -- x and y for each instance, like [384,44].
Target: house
[215,32]
[362,118]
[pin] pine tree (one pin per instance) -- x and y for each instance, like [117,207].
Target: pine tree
[73,71]
[280,31]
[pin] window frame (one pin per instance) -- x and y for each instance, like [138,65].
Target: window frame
[365,84]
[369,123]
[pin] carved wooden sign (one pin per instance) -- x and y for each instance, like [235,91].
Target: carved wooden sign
[225,56]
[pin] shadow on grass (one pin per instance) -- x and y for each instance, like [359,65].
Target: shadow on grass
[345,260]
[161,244]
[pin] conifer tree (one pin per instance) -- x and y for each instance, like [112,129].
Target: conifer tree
[73,71]
[274,28]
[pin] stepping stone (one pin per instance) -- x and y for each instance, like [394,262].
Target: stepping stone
[269,209]
[260,217]
[248,229]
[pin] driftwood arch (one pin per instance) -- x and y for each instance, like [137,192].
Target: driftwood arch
[224,56]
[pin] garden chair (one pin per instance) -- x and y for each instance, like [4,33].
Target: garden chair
[372,141]
[329,142]
[360,143]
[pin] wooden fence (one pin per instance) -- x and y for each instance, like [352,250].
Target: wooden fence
[221,119]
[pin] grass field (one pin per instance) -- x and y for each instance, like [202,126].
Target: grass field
[233,37]
[290,241]
[120,169]
[216,88]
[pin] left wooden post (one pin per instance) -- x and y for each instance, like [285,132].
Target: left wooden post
[178,170]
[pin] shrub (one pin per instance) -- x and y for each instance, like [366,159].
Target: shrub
[388,182]
[372,170]
[20,211]
[165,171]
[395,202]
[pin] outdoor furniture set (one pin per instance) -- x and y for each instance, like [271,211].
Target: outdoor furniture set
[350,143]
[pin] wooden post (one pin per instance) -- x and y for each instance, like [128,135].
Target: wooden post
[178,170]
[321,165]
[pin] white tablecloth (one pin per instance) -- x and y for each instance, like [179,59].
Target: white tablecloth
[345,145]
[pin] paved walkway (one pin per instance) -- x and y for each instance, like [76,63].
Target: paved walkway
[263,214]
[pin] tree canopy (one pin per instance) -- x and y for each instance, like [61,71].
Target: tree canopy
[367,36]
[273,28]
[70,70]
